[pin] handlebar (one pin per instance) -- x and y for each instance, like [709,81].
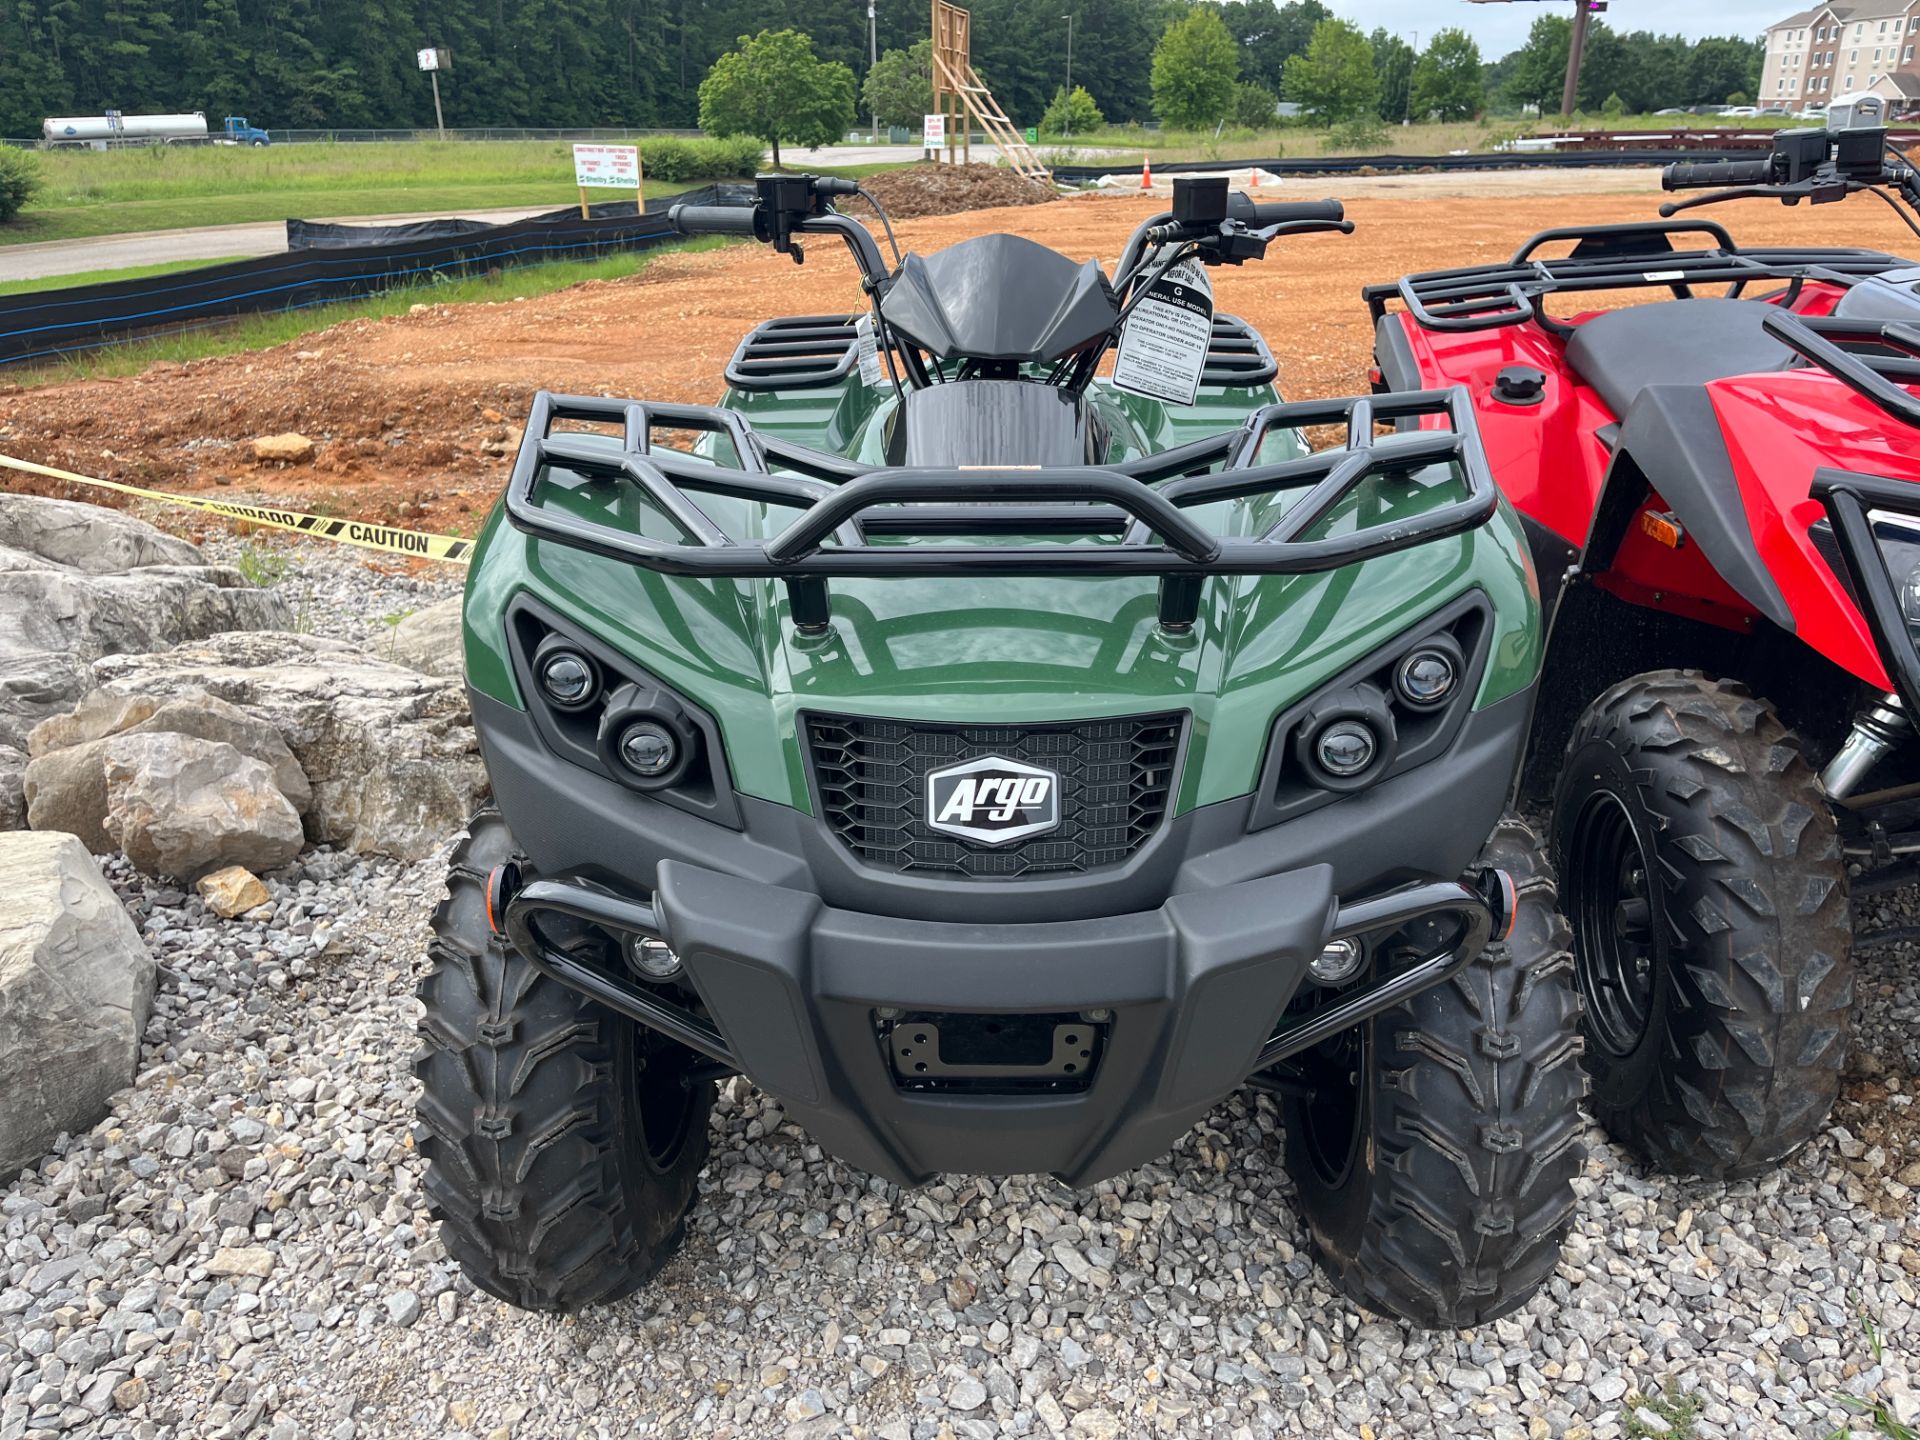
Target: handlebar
[1283,212]
[712,219]
[1716,174]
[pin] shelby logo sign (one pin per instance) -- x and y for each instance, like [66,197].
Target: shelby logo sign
[993,800]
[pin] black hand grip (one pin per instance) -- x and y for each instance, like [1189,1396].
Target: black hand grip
[712,219]
[1282,212]
[1715,174]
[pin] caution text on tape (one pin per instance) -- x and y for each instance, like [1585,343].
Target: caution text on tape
[392,539]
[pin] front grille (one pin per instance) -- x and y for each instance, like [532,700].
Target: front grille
[1116,780]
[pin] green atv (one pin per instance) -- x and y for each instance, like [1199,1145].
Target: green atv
[1001,767]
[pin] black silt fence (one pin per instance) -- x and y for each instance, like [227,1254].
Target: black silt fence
[337,263]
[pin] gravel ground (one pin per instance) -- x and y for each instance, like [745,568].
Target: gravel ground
[333,593]
[242,1249]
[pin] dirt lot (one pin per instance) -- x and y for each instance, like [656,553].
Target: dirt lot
[415,414]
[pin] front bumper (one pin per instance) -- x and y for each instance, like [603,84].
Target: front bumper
[1188,998]
[793,949]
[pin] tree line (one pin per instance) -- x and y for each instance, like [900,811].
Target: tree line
[351,63]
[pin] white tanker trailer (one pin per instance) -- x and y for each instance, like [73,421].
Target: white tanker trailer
[105,132]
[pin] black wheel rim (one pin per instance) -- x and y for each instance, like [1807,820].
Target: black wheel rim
[1612,906]
[666,1098]
[1335,1114]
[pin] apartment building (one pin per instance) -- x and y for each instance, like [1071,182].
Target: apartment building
[1843,48]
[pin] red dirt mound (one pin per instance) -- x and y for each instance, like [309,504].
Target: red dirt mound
[949,189]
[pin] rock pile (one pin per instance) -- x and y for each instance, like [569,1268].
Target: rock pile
[389,753]
[78,582]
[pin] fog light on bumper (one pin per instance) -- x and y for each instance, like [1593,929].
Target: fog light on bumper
[1338,963]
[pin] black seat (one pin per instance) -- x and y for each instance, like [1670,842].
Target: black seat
[1675,342]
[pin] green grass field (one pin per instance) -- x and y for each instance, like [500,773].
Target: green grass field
[118,192]
[104,277]
[258,332]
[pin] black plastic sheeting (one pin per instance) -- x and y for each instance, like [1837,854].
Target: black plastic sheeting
[324,235]
[50,323]
[1357,164]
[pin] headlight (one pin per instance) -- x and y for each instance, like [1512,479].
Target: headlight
[595,708]
[1400,707]
[1898,537]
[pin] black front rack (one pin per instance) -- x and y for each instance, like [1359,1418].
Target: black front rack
[1874,358]
[849,505]
[1613,257]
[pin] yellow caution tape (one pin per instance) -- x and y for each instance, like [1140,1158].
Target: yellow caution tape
[390,538]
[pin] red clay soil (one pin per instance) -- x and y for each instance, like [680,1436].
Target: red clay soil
[415,415]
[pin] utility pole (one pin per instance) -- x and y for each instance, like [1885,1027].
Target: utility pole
[1412,65]
[439,118]
[1069,20]
[873,59]
[1583,13]
[1582,17]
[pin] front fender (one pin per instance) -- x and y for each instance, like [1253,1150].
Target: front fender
[1780,429]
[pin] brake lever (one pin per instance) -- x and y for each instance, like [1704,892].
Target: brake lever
[1238,243]
[1743,192]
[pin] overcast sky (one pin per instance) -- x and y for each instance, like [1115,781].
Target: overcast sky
[1500,28]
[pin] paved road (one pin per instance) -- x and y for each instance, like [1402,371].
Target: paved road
[155,247]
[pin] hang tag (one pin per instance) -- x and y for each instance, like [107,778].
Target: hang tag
[869,346]
[1164,344]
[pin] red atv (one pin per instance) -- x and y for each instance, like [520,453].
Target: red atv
[1722,492]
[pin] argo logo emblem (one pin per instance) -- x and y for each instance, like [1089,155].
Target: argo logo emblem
[993,800]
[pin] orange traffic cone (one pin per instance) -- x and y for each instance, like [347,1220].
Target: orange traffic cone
[1146,174]
[1253,179]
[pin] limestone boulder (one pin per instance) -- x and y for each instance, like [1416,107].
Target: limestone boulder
[87,581]
[430,640]
[181,806]
[36,685]
[103,713]
[66,792]
[89,538]
[65,785]
[75,986]
[390,753]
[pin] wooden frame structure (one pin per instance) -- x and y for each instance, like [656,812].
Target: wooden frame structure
[964,102]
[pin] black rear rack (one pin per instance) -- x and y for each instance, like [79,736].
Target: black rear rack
[1237,356]
[797,352]
[1612,257]
[1078,501]
[807,352]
